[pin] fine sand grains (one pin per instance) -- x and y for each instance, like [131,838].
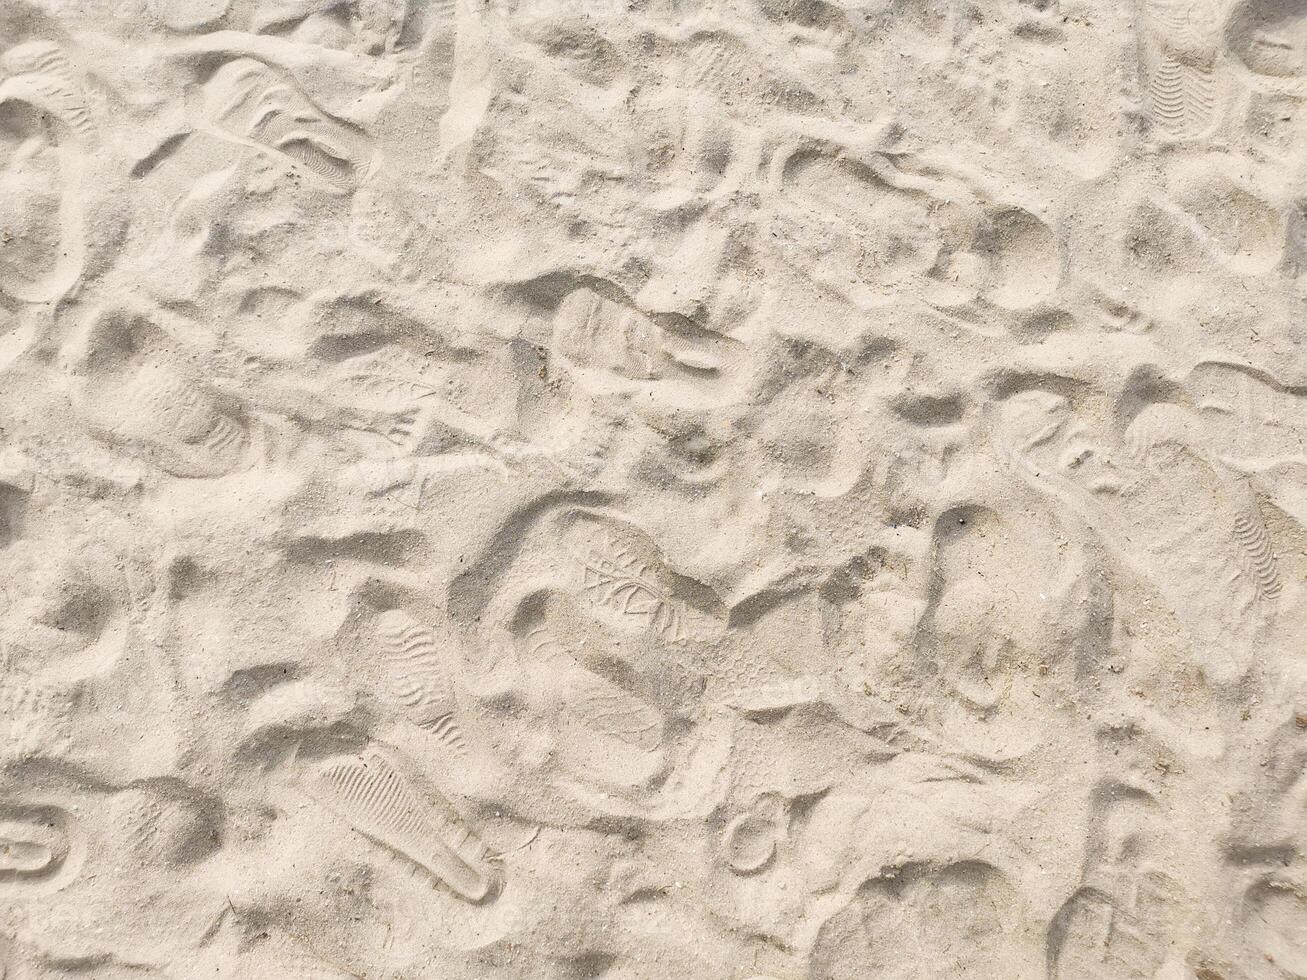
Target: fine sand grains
[706,489]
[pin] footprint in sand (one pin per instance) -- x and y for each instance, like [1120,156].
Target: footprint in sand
[38,848]
[46,133]
[143,401]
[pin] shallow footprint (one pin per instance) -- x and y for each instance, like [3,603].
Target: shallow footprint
[918,922]
[139,402]
[1246,231]
[418,669]
[1270,38]
[34,844]
[1178,53]
[1275,916]
[386,806]
[861,228]
[1021,257]
[45,132]
[749,841]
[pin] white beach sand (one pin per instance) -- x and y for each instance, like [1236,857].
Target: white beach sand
[653,490]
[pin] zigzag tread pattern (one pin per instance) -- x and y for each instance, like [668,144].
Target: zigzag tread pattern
[1256,543]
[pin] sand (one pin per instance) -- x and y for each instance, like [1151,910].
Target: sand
[740,489]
